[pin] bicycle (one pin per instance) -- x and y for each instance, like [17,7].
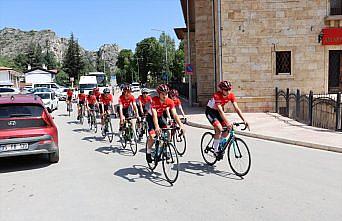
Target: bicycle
[69,108]
[163,150]
[81,116]
[141,128]
[178,137]
[236,153]
[92,120]
[107,128]
[128,135]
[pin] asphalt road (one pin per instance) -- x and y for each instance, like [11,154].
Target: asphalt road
[96,180]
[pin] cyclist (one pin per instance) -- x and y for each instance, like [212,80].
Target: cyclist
[173,94]
[215,114]
[126,102]
[91,102]
[106,101]
[69,97]
[144,104]
[155,118]
[81,102]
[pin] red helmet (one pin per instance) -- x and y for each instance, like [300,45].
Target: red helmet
[173,93]
[163,88]
[225,85]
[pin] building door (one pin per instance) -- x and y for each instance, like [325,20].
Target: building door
[335,71]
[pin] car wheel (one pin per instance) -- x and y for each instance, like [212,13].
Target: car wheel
[54,157]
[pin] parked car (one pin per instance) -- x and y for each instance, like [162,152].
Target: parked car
[8,91]
[27,128]
[63,94]
[49,99]
[135,86]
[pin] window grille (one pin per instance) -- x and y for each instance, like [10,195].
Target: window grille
[283,62]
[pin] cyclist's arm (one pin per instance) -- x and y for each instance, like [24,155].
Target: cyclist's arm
[238,111]
[120,111]
[176,117]
[135,109]
[141,106]
[182,111]
[168,113]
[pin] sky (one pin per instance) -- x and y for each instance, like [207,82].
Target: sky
[95,22]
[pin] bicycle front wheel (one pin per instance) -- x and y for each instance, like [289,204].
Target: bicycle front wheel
[110,133]
[239,157]
[94,123]
[133,142]
[170,162]
[180,142]
[207,148]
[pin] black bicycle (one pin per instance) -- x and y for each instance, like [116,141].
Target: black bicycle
[239,157]
[141,128]
[107,128]
[128,135]
[163,150]
[178,137]
[92,120]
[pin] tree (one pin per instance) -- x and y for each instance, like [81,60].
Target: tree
[150,58]
[177,67]
[73,63]
[49,58]
[169,49]
[125,65]
[62,79]
[35,55]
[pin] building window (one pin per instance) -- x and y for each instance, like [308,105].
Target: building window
[283,62]
[335,7]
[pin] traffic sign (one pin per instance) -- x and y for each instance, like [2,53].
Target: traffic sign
[189,69]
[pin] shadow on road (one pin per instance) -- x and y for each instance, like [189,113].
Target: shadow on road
[201,169]
[63,115]
[94,139]
[80,130]
[21,163]
[114,149]
[142,172]
[73,122]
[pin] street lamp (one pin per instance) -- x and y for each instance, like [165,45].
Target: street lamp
[166,63]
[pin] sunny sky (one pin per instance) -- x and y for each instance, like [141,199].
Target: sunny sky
[95,22]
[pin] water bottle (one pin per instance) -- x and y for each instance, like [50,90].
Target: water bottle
[223,142]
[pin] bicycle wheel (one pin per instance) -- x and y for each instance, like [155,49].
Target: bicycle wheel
[207,148]
[179,142]
[110,133]
[69,109]
[133,142]
[239,157]
[170,162]
[154,154]
[94,123]
[81,119]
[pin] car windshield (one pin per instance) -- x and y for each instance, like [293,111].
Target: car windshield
[42,85]
[135,84]
[5,90]
[44,96]
[87,86]
[65,90]
[20,110]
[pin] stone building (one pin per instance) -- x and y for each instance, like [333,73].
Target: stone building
[263,44]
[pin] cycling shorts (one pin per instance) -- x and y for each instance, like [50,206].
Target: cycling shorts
[151,128]
[214,117]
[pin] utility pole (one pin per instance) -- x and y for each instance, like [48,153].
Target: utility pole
[189,52]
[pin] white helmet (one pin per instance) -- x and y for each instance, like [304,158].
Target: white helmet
[144,90]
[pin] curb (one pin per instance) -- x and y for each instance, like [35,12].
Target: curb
[276,139]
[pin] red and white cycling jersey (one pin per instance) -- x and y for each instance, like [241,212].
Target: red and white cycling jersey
[218,98]
[126,102]
[161,107]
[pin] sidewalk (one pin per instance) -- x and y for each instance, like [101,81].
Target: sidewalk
[274,127]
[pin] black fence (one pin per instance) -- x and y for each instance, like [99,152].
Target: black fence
[318,110]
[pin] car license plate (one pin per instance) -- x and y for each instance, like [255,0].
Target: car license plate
[12,147]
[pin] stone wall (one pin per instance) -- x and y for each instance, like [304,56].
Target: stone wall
[254,30]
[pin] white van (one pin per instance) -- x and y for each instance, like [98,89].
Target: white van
[52,86]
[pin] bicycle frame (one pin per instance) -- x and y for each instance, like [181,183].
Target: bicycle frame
[231,139]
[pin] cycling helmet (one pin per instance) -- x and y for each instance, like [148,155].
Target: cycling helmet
[144,90]
[225,85]
[174,93]
[127,88]
[163,88]
[106,91]
[91,92]
[81,91]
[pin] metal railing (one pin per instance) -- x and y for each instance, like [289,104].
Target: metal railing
[318,110]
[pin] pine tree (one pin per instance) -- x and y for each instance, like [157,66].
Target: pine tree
[73,63]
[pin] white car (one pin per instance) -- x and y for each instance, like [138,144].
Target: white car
[8,91]
[49,99]
[135,86]
[63,94]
